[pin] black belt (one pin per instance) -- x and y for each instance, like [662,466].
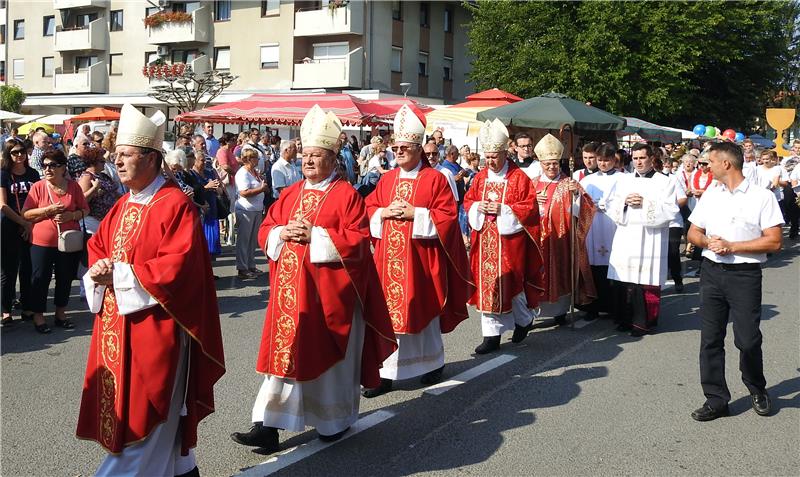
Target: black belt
[732,266]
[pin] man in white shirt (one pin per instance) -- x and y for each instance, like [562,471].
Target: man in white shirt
[284,173]
[737,224]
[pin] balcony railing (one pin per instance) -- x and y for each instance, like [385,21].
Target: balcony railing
[93,79]
[92,37]
[199,65]
[347,19]
[194,31]
[344,73]
[65,4]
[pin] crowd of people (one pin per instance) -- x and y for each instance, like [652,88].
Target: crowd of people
[380,249]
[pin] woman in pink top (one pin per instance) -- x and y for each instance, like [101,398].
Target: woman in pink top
[226,166]
[54,200]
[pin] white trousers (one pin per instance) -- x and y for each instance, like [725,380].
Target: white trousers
[416,354]
[328,403]
[160,453]
[551,309]
[495,324]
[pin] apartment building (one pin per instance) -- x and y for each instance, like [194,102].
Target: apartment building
[71,55]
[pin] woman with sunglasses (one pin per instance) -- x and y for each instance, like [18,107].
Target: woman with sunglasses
[57,202]
[16,180]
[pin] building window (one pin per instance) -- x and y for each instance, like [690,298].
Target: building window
[2,34]
[19,68]
[47,66]
[150,11]
[222,58]
[19,29]
[184,56]
[83,63]
[48,25]
[327,52]
[424,13]
[2,70]
[397,10]
[447,65]
[448,20]
[269,56]
[116,20]
[270,7]
[115,64]
[222,10]
[423,64]
[150,57]
[397,59]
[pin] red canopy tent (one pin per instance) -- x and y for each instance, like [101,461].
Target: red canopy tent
[286,109]
[386,109]
[95,114]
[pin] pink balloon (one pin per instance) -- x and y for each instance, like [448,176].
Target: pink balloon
[730,134]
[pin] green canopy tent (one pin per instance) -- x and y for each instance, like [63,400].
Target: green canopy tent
[649,131]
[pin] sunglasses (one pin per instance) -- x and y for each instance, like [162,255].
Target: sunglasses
[17,152]
[429,154]
[51,165]
[703,163]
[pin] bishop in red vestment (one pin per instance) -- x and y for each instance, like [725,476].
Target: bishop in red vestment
[156,348]
[420,255]
[555,194]
[505,257]
[327,329]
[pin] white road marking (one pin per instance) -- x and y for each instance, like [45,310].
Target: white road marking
[441,388]
[300,452]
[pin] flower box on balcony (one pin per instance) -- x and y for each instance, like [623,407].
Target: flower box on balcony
[159,18]
[162,71]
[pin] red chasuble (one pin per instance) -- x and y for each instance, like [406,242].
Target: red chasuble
[505,265]
[310,311]
[133,359]
[555,241]
[421,278]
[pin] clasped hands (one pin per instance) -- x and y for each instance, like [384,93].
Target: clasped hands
[488,207]
[398,210]
[102,272]
[297,231]
[634,200]
[718,245]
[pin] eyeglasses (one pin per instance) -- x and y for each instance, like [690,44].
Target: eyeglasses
[405,149]
[527,146]
[703,163]
[429,154]
[17,152]
[51,165]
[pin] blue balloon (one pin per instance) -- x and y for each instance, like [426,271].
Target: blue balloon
[739,137]
[699,130]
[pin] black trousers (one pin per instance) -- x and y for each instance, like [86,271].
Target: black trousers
[14,261]
[603,303]
[730,292]
[791,212]
[44,261]
[674,255]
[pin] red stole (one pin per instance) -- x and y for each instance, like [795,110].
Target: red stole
[696,181]
[421,278]
[505,265]
[309,316]
[133,358]
[555,241]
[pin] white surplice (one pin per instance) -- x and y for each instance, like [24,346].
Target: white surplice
[601,187]
[639,250]
[422,352]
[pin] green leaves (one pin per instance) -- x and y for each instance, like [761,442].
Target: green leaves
[676,62]
[11,98]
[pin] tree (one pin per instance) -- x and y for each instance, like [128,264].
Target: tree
[189,91]
[679,63]
[11,98]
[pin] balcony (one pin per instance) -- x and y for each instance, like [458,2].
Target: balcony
[93,37]
[199,65]
[91,80]
[348,19]
[79,4]
[194,31]
[345,73]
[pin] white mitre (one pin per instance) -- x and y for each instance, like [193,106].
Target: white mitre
[321,129]
[549,148]
[136,129]
[408,127]
[493,136]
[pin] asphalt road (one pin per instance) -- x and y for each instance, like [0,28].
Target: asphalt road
[588,401]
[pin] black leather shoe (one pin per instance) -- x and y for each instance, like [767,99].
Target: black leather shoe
[708,413]
[561,320]
[762,405]
[678,286]
[258,436]
[432,377]
[490,343]
[385,387]
[521,332]
[333,437]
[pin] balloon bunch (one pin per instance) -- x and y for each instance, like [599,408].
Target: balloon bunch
[711,132]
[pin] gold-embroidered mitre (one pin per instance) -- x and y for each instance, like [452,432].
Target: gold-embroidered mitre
[549,148]
[493,136]
[136,129]
[321,129]
[408,127]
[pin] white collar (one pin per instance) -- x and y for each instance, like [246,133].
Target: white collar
[321,185]
[544,178]
[146,195]
[412,174]
[497,176]
[742,187]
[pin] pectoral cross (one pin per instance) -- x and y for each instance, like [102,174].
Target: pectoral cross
[602,250]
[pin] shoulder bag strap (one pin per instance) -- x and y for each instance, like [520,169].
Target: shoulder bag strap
[58,228]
